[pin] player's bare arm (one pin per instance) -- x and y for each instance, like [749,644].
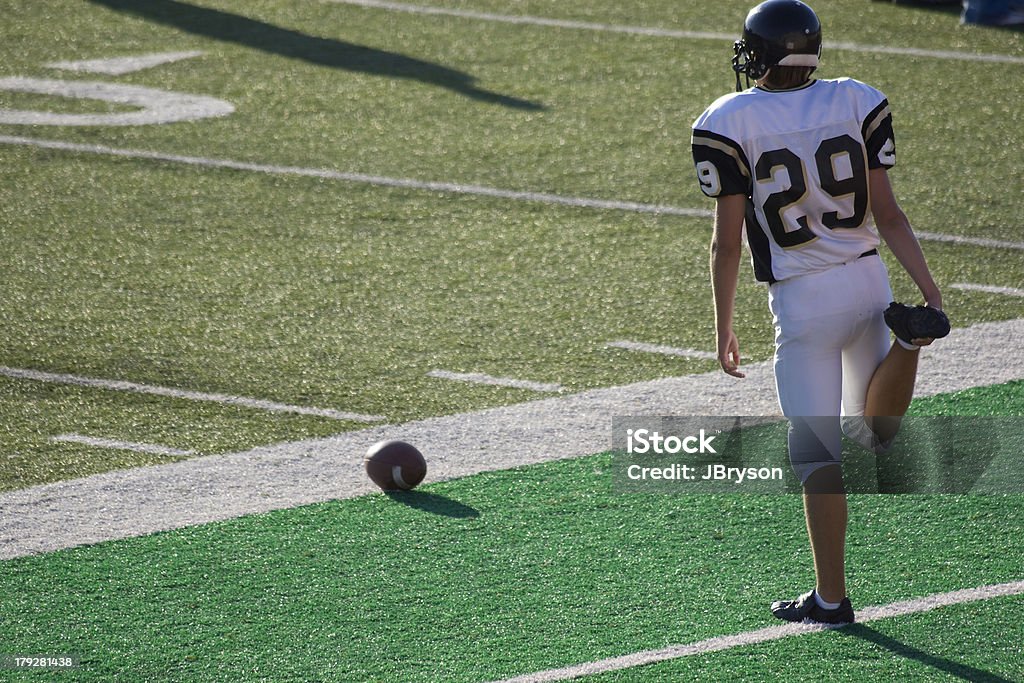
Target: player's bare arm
[894,228]
[726,251]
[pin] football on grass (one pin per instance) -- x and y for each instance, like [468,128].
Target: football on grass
[395,465]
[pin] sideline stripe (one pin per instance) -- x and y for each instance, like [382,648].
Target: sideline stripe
[117,385]
[480,378]
[664,350]
[719,643]
[133,502]
[96,442]
[991,289]
[457,188]
[665,32]
[385,181]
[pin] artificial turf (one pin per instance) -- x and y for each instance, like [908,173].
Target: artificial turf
[512,571]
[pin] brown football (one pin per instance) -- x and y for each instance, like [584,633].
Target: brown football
[395,465]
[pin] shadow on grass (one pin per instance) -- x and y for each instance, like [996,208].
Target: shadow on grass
[956,669]
[434,504]
[337,54]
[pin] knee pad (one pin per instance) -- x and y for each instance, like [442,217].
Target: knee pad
[814,442]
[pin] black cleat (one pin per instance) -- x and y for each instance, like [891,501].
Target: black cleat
[805,608]
[916,322]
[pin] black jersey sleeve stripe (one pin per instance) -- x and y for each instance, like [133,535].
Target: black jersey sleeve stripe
[879,138]
[718,172]
[875,118]
[724,144]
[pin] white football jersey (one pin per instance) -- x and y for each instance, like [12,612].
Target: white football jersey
[801,157]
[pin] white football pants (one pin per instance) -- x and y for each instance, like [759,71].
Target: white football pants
[830,337]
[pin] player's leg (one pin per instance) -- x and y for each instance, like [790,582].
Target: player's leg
[878,377]
[808,375]
[826,518]
[863,350]
[890,391]
[892,385]
[848,301]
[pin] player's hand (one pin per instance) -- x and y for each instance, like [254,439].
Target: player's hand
[729,354]
[932,300]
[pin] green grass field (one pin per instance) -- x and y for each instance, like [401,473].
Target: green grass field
[515,571]
[310,290]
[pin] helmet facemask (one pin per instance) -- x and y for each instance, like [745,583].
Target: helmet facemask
[750,66]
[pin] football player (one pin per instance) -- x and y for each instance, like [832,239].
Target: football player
[803,164]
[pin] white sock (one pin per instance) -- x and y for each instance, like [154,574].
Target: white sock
[825,605]
[907,345]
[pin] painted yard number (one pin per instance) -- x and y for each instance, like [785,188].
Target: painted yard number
[154,106]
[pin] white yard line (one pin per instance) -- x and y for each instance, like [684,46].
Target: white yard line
[143,500]
[527,20]
[770,633]
[118,66]
[657,32]
[429,186]
[118,385]
[644,347]
[383,181]
[481,378]
[990,289]
[97,442]
[973,241]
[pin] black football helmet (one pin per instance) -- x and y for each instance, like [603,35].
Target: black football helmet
[777,32]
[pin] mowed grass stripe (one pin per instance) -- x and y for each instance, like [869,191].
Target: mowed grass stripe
[656,32]
[432,186]
[227,399]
